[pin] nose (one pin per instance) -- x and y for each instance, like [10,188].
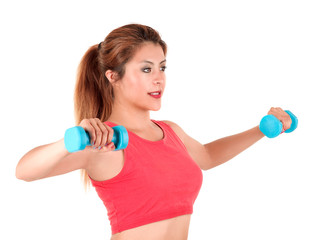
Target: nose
[159,78]
[157,82]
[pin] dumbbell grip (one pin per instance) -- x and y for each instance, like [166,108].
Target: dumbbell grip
[272,127]
[76,138]
[88,139]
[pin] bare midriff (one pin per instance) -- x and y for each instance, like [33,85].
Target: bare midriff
[170,229]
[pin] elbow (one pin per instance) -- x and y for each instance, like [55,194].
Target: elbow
[25,171]
[24,178]
[20,175]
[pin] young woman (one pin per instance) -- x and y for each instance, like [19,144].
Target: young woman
[150,187]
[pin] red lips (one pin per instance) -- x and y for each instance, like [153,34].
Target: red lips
[156,94]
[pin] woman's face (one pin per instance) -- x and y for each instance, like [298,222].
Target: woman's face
[144,74]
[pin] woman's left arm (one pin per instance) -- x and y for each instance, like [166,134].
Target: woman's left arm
[224,149]
[220,151]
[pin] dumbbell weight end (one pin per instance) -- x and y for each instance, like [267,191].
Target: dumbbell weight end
[294,124]
[76,138]
[272,127]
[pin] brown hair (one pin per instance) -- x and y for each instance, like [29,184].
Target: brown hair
[93,96]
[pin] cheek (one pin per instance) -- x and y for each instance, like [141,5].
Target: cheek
[135,86]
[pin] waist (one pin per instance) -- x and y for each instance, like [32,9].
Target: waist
[170,229]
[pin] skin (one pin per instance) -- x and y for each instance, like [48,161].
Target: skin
[145,73]
[131,109]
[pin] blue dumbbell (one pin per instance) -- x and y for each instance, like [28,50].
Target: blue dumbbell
[272,127]
[76,138]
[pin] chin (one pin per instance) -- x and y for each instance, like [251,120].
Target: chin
[157,108]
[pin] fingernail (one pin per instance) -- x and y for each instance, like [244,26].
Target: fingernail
[93,143]
[99,147]
[94,147]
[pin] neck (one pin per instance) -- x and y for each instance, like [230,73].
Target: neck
[130,117]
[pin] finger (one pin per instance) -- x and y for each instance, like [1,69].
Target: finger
[111,146]
[272,110]
[88,127]
[110,134]
[106,145]
[105,133]
[287,122]
[97,133]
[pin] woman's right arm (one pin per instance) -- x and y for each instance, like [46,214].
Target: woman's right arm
[54,159]
[49,160]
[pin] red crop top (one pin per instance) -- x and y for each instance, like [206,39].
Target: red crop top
[159,180]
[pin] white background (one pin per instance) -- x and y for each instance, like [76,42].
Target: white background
[228,63]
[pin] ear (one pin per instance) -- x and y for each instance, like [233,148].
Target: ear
[112,76]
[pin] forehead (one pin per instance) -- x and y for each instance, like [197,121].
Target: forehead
[149,51]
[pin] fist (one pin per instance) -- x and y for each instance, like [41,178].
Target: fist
[280,114]
[100,134]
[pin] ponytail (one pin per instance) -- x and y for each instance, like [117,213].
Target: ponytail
[93,96]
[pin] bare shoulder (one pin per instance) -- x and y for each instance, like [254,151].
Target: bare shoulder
[195,149]
[172,124]
[177,129]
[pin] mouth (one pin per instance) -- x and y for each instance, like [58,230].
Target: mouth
[156,94]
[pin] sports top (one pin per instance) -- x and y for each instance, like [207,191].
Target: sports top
[159,180]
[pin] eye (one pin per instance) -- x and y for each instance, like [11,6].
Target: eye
[146,70]
[163,68]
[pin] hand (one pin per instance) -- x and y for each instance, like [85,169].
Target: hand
[100,134]
[280,114]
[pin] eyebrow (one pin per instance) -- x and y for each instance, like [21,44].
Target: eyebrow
[146,61]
